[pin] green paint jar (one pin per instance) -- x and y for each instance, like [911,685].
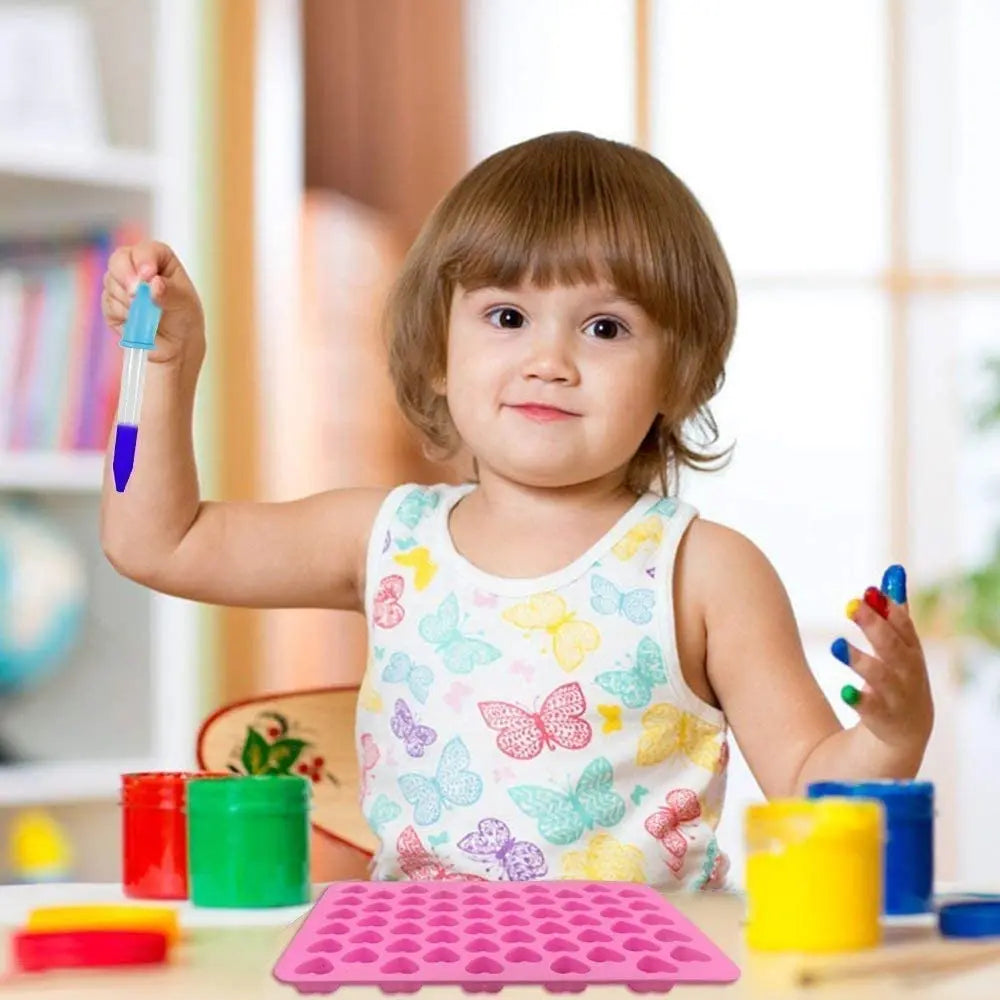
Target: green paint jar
[248,841]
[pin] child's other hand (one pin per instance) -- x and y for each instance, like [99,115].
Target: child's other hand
[181,333]
[895,703]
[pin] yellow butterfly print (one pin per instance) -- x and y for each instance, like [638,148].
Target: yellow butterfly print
[667,730]
[420,560]
[613,717]
[368,698]
[650,530]
[604,860]
[571,639]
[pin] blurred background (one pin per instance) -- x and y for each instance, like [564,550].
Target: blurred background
[847,152]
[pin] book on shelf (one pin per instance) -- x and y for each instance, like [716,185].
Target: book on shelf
[59,363]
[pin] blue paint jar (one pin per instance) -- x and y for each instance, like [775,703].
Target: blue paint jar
[909,843]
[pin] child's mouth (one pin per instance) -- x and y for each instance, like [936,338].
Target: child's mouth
[542,413]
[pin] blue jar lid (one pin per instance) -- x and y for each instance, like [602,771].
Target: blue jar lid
[970,919]
[902,799]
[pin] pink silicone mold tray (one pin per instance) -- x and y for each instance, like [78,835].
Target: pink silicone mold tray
[483,936]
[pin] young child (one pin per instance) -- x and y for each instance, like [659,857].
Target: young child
[559,648]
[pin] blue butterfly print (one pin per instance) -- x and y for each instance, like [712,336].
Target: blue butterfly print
[460,652]
[635,686]
[636,605]
[415,505]
[414,736]
[384,811]
[452,785]
[562,818]
[402,670]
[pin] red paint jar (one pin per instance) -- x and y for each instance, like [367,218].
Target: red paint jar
[154,834]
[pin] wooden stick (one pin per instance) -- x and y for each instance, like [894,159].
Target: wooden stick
[906,963]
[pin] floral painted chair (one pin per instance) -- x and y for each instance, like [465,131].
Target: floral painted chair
[309,733]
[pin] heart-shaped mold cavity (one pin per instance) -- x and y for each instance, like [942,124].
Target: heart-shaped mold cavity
[478,927]
[478,913]
[656,919]
[442,937]
[576,906]
[314,967]
[373,922]
[651,963]
[509,906]
[378,908]
[631,893]
[415,889]
[638,944]
[442,920]
[482,944]
[567,965]
[361,955]
[560,944]
[325,944]
[590,935]
[444,894]
[403,944]
[606,900]
[381,894]
[506,894]
[513,921]
[442,955]
[643,904]
[624,927]
[547,912]
[685,954]
[534,887]
[668,935]
[595,887]
[355,888]
[523,954]
[552,927]
[343,913]
[442,908]
[568,894]
[334,928]
[408,927]
[584,920]
[614,911]
[602,954]
[516,936]
[402,965]
[366,937]
[483,964]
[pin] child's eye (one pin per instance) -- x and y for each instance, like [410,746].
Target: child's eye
[506,318]
[606,328]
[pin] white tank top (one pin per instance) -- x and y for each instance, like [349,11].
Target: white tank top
[534,728]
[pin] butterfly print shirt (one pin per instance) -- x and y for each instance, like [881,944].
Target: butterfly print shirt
[534,728]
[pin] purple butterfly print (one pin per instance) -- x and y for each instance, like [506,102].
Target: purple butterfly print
[492,841]
[414,736]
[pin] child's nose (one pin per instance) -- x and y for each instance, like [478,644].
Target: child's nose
[550,357]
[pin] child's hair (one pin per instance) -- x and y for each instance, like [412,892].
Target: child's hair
[566,208]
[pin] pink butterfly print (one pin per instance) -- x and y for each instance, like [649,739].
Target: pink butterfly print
[388,611]
[682,807]
[421,864]
[455,694]
[369,758]
[524,669]
[522,734]
[483,600]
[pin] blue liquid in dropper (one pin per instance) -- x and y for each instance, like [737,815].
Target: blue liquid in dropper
[124,456]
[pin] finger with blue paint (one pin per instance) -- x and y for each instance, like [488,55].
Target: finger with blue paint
[894,583]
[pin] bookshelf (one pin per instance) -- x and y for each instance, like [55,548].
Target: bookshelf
[128,698]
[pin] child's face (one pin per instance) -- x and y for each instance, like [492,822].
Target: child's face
[552,387]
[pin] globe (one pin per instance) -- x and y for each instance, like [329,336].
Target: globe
[42,596]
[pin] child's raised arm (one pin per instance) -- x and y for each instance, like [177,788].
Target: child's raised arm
[781,719]
[304,553]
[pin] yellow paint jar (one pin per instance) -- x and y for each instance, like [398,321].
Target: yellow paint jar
[814,874]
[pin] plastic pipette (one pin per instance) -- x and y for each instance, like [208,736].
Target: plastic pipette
[137,340]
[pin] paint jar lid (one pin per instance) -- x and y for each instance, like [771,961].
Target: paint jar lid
[902,799]
[257,793]
[970,919]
